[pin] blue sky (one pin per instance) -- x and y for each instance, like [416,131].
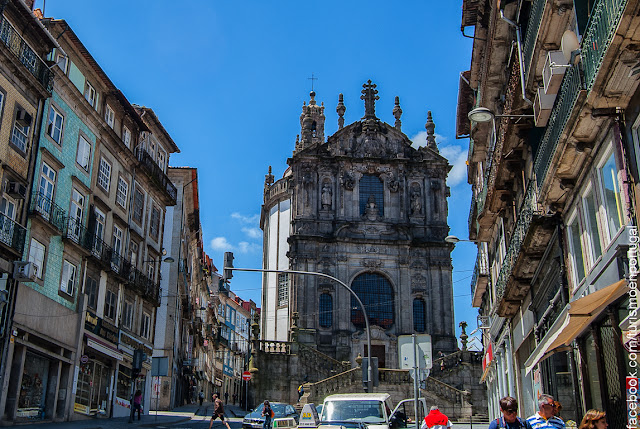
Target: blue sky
[228,78]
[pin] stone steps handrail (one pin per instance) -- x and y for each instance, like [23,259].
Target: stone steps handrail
[446,391]
[319,359]
[333,384]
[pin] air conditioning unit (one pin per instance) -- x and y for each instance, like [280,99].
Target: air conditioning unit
[542,105]
[554,68]
[23,118]
[16,190]
[24,271]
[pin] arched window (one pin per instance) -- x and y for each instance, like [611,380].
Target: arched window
[376,294]
[371,188]
[326,310]
[419,309]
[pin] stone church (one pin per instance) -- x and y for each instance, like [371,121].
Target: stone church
[366,207]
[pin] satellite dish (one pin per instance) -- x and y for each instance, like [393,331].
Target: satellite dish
[569,45]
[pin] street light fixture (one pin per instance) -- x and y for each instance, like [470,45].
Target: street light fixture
[482,114]
[455,240]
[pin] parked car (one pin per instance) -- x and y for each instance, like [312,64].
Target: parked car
[284,414]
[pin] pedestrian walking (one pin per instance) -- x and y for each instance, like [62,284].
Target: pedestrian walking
[235,398]
[218,411]
[226,397]
[594,419]
[436,420]
[300,392]
[201,397]
[137,403]
[509,419]
[268,414]
[544,418]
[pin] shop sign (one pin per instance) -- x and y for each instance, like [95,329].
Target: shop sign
[101,327]
[488,357]
[123,402]
[218,382]
[82,409]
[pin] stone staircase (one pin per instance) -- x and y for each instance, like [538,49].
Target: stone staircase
[396,382]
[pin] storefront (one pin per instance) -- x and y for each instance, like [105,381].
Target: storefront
[95,373]
[126,384]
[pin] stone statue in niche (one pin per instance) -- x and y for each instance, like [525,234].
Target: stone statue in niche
[371,211]
[326,196]
[416,203]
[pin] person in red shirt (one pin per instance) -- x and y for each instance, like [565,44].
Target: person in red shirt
[436,420]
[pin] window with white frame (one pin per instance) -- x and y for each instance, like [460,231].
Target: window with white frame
[127,314]
[110,303]
[133,253]
[138,205]
[83,157]
[8,209]
[576,250]
[145,325]
[46,189]
[90,94]
[283,289]
[68,280]
[55,124]
[126,136]
[151,269]
[2,96]
[608,174]
[117,240]
[36,256]
[76,213]
[104,174]
[121,193]
[589,211]
[154,225]
[110,116]
[162,159]
[20,133]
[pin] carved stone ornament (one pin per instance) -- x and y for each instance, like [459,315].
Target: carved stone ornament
[371,263]
[348,180]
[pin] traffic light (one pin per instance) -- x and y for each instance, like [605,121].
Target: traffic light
[228,263]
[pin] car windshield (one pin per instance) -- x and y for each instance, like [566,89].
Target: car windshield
[278,409]
[364,411]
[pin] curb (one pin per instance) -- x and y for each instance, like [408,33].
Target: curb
[152,425]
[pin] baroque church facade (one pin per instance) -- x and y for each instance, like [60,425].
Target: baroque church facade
[365,207]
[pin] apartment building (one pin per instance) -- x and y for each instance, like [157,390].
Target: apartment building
[550,106]
[94,240]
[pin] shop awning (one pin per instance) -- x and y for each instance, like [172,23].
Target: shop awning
[574,319]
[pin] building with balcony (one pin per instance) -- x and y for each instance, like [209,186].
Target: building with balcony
[94,237]
[26,82]
[550,106]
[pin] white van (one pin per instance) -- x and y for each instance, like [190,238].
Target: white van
[372,409]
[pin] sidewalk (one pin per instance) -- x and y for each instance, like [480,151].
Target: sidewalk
[177,415]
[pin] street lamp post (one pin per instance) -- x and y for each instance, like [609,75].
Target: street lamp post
[364,311]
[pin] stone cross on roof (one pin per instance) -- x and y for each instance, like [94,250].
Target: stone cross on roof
[369,96]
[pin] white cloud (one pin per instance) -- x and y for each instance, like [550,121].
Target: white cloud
[457,157]
[245,247]
[420,139]
[252,232]
[253,219]
[221,243]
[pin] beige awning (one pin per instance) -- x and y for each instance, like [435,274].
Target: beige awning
[574,319]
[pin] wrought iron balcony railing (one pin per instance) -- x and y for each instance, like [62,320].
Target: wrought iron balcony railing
[146,287]
[602,26]
[531,36]
[16,44]
[566,101]
[472,210]
[49,211]
[156,174]
[12,233]
[527,209]
[481,269]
